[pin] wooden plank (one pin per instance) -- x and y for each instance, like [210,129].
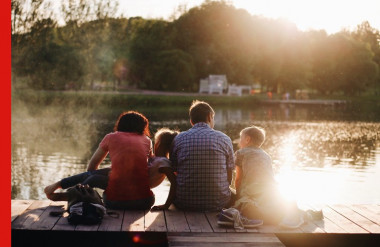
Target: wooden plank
[357,218]
[46,221]
[87,228]
[371,212]
[276,229]
[133,221]
[198,222]
[210,244]
[341,221]
[212,218]
[112,222]
[18,207]
[30,215]
[63,225]
[374,208]
[329,226]
[176,221]
[325,224]
[223,239]
[155,221]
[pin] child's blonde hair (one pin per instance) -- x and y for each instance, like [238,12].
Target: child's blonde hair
[163,141]
[257,135]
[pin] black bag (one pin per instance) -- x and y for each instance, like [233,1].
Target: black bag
[85,206]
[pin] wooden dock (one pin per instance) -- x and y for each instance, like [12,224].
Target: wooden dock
[193,228]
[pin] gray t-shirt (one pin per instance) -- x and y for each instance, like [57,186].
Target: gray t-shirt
[257,173]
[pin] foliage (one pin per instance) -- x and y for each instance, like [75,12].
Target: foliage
[95,46]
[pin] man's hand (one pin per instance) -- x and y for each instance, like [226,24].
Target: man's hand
[159,207]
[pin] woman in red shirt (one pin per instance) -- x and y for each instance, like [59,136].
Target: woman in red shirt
[126,183]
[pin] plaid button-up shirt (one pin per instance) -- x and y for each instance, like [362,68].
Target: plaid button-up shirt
[201,157]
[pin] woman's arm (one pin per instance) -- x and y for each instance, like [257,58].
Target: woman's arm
[173,187]
[96,159]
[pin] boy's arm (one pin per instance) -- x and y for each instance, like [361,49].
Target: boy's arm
[230,160]
[172,191]
[238,176]
[229,176]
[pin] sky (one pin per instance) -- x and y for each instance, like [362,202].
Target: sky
[330,15]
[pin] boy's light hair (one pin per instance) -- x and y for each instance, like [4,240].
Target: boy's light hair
[257,135]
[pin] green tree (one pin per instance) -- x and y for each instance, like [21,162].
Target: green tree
[370,36]
[323,62]
[218,37]
[87,29]
[147,39]
[355,69]
[173,70]
[48,64]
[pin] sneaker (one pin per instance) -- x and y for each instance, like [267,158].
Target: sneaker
[292,221]
[314,215]
[226,218]
[251,223]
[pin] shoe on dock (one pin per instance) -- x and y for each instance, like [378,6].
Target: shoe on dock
[232,217]
[292,221]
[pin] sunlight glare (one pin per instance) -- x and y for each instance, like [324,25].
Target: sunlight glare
[331,16]
[305,185]
[311,186]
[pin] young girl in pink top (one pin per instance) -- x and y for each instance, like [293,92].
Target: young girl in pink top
[126,183]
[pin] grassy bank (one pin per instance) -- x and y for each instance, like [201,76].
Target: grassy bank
[136,99]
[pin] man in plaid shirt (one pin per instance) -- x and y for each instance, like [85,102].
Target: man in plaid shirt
[203,159]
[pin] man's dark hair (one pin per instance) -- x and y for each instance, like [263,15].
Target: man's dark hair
[199,111]
[132,121]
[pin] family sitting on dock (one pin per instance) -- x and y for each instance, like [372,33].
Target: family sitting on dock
[199,164]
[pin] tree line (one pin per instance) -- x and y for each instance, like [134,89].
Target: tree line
[173,55]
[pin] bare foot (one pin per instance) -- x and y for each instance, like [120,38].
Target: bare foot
[62,196]
[49,190]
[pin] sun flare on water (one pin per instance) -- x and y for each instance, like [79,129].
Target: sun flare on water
[305,185]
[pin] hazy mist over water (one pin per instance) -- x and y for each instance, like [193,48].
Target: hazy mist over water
[319,154]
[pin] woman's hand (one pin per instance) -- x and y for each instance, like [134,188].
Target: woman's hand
[159,207]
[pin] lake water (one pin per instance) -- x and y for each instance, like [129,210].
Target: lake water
[320,154]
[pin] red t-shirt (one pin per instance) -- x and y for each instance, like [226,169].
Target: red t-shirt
[128,179]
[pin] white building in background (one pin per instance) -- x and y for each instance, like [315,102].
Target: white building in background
[213,84]
[218,84]
[239,90]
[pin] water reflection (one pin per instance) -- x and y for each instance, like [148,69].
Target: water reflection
[315,159]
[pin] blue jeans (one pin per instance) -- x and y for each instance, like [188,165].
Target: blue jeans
[95,179]
[99,179]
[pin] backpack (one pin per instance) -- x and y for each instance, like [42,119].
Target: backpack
[85,206]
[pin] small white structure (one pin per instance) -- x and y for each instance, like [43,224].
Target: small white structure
[238,90]
[214,84]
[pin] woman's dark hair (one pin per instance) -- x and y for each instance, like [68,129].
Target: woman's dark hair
[132,121]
